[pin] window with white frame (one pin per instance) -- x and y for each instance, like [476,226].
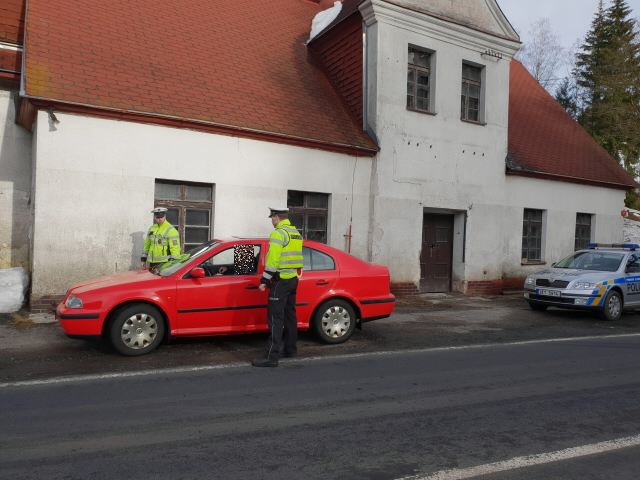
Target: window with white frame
[471,90]
[419,80]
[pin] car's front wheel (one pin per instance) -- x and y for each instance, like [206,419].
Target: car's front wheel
[334,321]
[136,330]
[612,309]
[538,307]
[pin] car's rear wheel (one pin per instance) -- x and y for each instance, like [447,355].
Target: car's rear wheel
[612,309]
[334,321]
[538,307]
[136,330]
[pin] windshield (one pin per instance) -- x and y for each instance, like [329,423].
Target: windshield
[603,261]
[173,266]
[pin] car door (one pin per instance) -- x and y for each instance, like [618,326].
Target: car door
[227,299]
[632,280]
[319,276]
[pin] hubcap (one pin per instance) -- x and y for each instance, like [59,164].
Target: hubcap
[139,331]
[614,306]
[336,322]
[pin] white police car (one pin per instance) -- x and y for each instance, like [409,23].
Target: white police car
[603,278]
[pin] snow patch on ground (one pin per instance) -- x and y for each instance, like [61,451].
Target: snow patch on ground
[13,289]
[631,227]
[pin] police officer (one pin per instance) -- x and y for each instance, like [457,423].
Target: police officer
[163,241]
[284,258]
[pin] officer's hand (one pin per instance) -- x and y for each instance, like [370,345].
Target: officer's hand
[143,264]
[262,287]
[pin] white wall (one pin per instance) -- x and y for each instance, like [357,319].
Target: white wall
[15,185]
[434,161]
[95,183]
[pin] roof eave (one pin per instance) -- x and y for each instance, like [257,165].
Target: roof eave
[570,179]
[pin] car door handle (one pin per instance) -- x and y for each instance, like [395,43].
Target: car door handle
[252,287]
[322,283]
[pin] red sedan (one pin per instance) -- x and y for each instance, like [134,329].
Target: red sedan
[212,290]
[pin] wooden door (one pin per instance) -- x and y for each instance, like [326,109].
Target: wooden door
[437,249]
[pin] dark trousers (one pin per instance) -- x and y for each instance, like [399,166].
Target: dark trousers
[281,317]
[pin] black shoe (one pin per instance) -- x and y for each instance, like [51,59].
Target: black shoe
[288,355]
[264,362]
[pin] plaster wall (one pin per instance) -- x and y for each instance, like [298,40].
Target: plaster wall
[95,182]
[560,202]
[435,160]
[15,185]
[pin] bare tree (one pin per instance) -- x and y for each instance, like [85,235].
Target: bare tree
[543,55]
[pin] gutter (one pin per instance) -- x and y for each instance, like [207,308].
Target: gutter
[183,122]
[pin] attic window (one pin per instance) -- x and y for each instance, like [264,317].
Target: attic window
[471,89]
[418,80]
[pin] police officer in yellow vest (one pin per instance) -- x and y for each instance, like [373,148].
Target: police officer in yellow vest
[284,259]
[163,241]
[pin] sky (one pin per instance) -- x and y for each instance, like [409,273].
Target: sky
[570,18]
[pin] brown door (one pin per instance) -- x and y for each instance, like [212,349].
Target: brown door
[437,248]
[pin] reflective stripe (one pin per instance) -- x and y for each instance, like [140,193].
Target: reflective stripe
[279,242]
[144,255]
[266,275]
[288,270]
[174,236]
[156,259]
[291,254]
[270,269]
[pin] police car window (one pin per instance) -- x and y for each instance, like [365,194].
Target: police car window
[634,261]
[314,260]
[602,261]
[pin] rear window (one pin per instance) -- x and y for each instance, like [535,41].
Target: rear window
[314,260]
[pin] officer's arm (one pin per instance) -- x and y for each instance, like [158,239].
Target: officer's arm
[173,238]
[276,242]
[147,244]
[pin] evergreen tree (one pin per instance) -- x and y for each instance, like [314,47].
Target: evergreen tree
[608,75]
[567,98]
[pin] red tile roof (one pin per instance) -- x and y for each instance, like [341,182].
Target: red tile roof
[11,35]
[544,141]
[233,64]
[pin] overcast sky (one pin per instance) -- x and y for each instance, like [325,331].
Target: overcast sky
[570,18]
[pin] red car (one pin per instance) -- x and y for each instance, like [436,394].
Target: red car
[207,291]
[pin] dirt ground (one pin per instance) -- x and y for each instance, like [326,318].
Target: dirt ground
[37,350]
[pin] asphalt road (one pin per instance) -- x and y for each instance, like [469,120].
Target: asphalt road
[454,387]
[382,415]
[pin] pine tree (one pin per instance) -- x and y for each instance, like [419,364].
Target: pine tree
[608,75]
[566,96]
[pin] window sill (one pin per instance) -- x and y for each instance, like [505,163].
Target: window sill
[474,123]
[532,262]
[426,112]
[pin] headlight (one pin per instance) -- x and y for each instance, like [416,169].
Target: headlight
[530,281]
[582,286]
[73,302]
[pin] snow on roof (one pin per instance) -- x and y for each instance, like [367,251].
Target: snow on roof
[323,19]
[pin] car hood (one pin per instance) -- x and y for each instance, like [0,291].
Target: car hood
[113,280]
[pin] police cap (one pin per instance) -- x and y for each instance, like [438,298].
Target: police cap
[159,212]
[277,210]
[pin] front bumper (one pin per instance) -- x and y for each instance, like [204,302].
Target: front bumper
[77,322]
[581,299]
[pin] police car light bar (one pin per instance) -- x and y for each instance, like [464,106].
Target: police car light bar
[628,246]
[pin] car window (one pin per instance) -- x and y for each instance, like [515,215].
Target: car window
[602,261]
[634,261]
[173,266]
[236,260]
[314,260]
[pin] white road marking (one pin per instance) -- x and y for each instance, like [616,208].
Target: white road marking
[200,368]
[530,460]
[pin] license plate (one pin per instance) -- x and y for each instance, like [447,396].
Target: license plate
[548,293]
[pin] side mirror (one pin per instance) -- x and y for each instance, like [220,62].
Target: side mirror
[198,272]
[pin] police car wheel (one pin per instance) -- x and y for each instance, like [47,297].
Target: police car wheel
[612,306]
[137,330]
[334,321]
[538,307]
